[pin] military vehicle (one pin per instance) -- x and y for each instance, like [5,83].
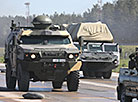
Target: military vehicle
[98,52]
[127,88]
[41,53]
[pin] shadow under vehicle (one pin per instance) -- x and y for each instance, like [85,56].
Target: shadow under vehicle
[127,88]
[44,52]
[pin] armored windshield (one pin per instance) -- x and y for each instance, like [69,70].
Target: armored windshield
[95,47]
[111,48]
[44,40]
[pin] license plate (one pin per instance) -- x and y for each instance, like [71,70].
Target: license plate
[59,60]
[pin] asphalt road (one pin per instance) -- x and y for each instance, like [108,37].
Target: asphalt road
[90,90]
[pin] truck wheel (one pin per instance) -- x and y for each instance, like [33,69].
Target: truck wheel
[23,81]
[118,92]
[131,64]
[73,81]
[107,75]
[57,85]
[125,98]
[98,75]
[10,81]
[85,74]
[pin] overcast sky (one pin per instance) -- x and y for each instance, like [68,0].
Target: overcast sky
[17,7]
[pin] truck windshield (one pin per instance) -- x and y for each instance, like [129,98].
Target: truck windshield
[112,48]
[44,40]
[95,47]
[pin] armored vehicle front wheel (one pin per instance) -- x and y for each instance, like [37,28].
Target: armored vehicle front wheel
[125,98]
[73,81]
[107,75]
[57,85]
[10,81]
[85,73]
[24,78]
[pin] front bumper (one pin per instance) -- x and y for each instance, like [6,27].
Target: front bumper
[98,66]
[46,71]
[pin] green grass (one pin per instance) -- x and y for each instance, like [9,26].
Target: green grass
[1,55]
[1,59]
[124,57]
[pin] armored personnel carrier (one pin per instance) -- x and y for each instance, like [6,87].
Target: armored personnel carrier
[99,53]
[44,52]
[127,88]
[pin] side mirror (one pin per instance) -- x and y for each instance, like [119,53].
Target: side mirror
[19,41]
[136,49]
[81,41]
[120,50]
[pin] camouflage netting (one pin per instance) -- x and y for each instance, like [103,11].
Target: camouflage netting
[90,31]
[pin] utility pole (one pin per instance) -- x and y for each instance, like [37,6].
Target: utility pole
[100,10]
[27,4]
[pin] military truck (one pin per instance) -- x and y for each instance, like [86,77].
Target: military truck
[99,53]
[127,88]
[41,53]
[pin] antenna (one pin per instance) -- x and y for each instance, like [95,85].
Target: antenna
[28,12]
[100,10]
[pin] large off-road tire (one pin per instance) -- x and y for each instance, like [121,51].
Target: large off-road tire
[85,74]
[125,98]
[57,85]
[118,92]
[73,81]
[98,75]
[107,75]
[24,79]
[10,81]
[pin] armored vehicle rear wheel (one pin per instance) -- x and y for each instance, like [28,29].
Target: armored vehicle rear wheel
[125,98]
[73,81]
[10,81]
[107,75]
[98,75]
[23,81]
[57,85]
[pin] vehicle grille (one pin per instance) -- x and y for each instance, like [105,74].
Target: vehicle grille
[53,54]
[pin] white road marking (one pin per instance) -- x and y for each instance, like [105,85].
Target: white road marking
[97,84]
[101,84]
[2,65]
[115,74]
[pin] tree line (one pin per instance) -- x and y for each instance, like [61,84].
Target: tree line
[121,17]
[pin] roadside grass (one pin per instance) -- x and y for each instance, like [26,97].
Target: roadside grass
[1,59]
[124,56]
[1,55]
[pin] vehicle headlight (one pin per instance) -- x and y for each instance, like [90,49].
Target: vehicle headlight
[115,61]
[71,56]
[33,56]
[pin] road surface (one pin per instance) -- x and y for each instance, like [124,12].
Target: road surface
[90,90]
